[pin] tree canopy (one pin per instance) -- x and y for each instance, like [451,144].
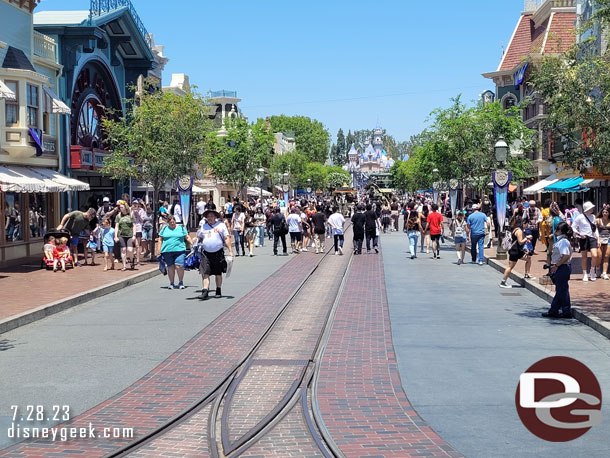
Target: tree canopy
[311,137]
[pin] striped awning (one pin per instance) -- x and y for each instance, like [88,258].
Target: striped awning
[57,105]
[6,93]
[533,189]
[14,178]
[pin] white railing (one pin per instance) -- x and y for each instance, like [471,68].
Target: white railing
[44,46]
[534,5]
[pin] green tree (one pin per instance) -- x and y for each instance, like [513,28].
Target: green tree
[311,137]
[340,156]
[337,178]
[575,89]
[349,141]
[293,164]
[236,157]
[314,176]
[159,141]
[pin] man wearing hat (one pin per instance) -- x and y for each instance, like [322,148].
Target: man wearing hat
[476,231]
[585,231]
[213,236]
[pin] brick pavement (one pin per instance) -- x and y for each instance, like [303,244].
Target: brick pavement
[26,287]
[188,374]
[592,297]
[359,393]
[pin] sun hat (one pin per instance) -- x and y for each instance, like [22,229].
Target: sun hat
[588,206]
[211,209]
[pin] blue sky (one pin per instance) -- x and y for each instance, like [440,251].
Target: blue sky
[349,64]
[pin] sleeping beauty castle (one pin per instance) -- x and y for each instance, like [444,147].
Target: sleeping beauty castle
[373,159]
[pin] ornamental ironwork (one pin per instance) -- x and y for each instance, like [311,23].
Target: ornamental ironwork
[99,7]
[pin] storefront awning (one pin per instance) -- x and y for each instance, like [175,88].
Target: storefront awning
[254,191]
[537,187]
[566,185]
[198,190]
[15,178]
[6,93]
[58,106]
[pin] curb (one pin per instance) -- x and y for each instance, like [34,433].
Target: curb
[578,313]
[16,321]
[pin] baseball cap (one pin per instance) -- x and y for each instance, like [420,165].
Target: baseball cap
[106,199]
[475,206]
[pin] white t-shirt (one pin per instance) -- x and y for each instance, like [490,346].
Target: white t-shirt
[293,221]
[238,221]
[200,207]
[336,221]
[213,237]
[178,213]
[562,247]
[582,227]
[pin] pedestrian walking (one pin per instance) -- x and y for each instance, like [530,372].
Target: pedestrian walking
[435,222]
[295,229]
[603,227]
[425,228]
[358,222]
[108,244]
[306,226]
[260,220]
[533,218]
[560,272]
[394,208]
[318,221]
[237,222]
[139,214]
[250,231]
[336,221]
[476,223]
[371,228]
[516,250]
[172,246]
[212,237]
[124,234]
[279,227]
[412,226]
[458,232]
[200,209]
[587,234]
[147,230]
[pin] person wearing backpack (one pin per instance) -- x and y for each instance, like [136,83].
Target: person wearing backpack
[516,250]
[476,224]
[458,232]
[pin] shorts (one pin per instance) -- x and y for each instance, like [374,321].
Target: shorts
[108,248]
[147,233]
[295,237]
[460,240]
[74,240]
[434,237]
[514,254]
[588,243]
[126,242]
[213,263]
[174,258]
[138,235]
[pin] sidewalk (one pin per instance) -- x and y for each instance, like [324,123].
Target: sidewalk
[589,299]
[30,293]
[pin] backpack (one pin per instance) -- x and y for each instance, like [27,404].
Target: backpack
[230,208]
[507,241]
[459,230]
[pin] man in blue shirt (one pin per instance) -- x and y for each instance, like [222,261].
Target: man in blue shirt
[476,230]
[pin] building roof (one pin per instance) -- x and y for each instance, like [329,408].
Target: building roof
[353,151]
[554,35]
[60,17]
[16,58]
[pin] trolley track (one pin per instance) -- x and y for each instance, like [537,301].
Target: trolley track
[219,415]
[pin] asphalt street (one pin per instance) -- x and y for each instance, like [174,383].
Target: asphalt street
[462,343]
[87,354]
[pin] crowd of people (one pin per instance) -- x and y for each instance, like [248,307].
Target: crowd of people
[124,234]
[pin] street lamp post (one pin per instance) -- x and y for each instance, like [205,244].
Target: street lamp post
[261,176]
[501,180]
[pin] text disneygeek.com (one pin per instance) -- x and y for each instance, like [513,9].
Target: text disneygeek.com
[65,433]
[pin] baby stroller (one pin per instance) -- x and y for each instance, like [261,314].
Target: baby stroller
[48,263]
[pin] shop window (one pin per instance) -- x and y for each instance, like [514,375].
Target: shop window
[12,107]
[13,217]
[38,215]
[33,104]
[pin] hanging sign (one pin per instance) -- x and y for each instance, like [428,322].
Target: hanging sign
[185,186]
[453,192]
[501,180]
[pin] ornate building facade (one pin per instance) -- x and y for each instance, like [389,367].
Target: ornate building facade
[373,160]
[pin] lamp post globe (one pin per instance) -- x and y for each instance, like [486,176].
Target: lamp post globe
[501,150]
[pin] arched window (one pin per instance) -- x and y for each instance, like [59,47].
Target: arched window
[509,100]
